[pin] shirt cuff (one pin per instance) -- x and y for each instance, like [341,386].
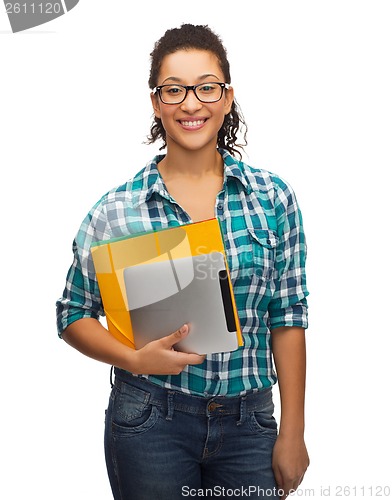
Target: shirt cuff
[296,315]
[66,318]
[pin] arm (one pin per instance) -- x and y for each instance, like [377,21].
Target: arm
[88,336]
[288,320]
[81,305]
[290,458]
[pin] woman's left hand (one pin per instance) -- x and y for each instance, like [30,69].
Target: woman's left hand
[289,462]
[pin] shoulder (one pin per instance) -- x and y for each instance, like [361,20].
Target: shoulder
[113,213]
[265,180]
[259,180]
[130,191]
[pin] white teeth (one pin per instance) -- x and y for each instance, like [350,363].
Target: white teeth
[192,123]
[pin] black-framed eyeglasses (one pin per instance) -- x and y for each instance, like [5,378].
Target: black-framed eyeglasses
[174,93]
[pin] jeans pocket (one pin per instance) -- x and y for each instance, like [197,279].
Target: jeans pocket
[263,422]
[132,411]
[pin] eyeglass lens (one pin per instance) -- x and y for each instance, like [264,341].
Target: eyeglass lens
[205,92]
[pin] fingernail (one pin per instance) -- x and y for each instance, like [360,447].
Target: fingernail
[183,329]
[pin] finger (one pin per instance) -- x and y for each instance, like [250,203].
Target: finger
[195,359]
[295,484]
[185,358]
[284,486]
[278,477]
[175,337]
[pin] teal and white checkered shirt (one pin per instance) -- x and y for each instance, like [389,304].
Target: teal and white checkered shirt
[266,251]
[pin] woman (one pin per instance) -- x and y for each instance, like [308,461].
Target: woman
[181,424]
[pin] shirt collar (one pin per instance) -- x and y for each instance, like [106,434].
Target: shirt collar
[149,181]
[234,169]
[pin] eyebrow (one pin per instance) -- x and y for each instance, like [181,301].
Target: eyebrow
[176,79]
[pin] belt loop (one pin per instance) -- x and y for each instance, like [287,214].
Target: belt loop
[170,406]
[111,376]
[242,411]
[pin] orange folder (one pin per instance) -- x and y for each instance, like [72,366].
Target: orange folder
[152,283]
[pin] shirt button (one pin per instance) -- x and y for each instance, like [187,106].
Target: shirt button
[220,206]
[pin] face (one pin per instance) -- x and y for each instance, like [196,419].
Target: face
[191,125]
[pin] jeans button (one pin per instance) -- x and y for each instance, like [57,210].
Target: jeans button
[213,406]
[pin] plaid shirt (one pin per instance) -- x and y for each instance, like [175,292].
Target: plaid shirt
[266,252]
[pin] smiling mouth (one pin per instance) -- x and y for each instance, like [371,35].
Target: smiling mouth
[193,123]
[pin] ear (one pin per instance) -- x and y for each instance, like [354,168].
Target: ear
[229,98]
[156,104]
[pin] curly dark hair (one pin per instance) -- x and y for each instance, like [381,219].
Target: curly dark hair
[189,36]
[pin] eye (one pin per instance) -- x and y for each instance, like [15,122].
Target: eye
[208,88]
[172,90]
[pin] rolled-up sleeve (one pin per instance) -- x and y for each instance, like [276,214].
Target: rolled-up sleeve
[288,306]
[81,297]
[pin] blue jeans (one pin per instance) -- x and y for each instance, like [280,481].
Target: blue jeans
[166,445]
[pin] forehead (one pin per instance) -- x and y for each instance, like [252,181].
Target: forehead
[190,65]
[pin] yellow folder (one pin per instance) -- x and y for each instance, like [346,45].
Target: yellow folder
[152,283]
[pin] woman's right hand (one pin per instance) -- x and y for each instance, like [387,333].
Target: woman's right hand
[88,336]
[159,357]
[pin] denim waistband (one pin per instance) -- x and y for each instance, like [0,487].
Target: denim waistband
[209,405]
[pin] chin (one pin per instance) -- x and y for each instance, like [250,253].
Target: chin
[195,144]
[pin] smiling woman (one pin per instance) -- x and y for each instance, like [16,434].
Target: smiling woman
[202,111]
[176,419]
[185,40]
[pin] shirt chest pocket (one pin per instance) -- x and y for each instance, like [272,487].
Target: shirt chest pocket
[258,259]
[264,243]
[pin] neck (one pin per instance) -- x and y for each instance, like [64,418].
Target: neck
[196,164]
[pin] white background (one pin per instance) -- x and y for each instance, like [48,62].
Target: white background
[314,81]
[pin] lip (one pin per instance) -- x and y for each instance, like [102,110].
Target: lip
[192,123]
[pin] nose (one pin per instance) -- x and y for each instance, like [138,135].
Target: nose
[191,103]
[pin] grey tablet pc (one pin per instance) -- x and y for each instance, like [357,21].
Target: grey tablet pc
[162,296]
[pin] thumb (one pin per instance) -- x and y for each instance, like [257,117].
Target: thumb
[175,337]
